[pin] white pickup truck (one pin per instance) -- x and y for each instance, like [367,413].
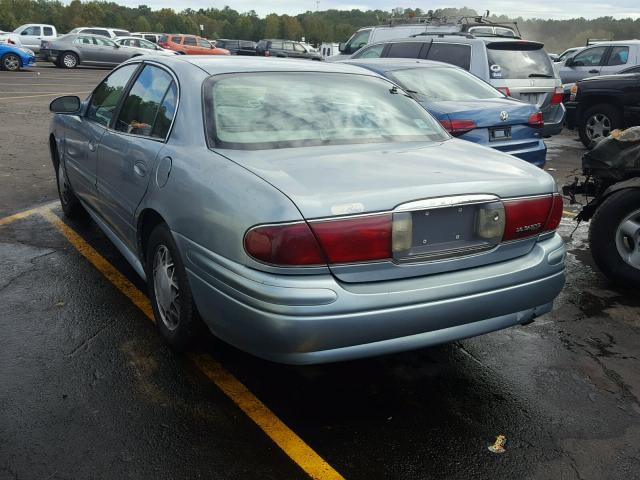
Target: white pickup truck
[32,34]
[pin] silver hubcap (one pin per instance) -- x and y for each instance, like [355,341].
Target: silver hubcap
[69,61]
[628,239]
[598,125]
[11,62]
[165,286]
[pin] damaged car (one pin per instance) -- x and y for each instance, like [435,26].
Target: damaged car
[611,185]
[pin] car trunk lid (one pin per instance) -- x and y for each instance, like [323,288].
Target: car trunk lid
[335,182]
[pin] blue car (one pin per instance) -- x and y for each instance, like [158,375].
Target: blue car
[468,107]
[13,58]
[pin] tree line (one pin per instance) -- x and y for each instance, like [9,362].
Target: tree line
[315,27]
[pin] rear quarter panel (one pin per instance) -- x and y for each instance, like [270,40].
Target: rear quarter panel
[209,199]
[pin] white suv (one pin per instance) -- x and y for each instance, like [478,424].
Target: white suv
[105,32]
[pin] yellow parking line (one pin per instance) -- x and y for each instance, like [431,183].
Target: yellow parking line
[301,453]
[24,214]
[567,213]
[51,94]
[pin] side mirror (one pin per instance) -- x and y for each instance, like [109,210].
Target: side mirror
[68,104]
[342,47]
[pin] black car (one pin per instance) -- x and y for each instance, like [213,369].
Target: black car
[598,105]
[285,48]
[237,47]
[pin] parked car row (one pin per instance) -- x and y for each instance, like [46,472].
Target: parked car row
[519,68]
[348,222]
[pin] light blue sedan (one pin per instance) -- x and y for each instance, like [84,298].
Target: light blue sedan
[306,212]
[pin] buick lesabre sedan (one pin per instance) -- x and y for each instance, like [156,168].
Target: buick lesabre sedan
[306,212]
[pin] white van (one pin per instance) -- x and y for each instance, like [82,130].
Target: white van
[32,34]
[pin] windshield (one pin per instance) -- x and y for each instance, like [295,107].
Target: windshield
[290,109]
[510,63]
[435,84]
[358,40]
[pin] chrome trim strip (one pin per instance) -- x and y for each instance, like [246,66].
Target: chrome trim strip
[444,202]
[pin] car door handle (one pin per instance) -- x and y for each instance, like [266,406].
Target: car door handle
[140,169]
[593,71]
[92,145]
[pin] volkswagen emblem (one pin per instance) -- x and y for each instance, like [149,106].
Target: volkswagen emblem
[504,116]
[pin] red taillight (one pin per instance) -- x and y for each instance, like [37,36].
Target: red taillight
[558,96]
[357,239]
[505,90]
[267,53]
[287,244]
[458,127]
[536,120]
[10,41]
[527,217]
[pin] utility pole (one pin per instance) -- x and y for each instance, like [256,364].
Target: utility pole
[317,5]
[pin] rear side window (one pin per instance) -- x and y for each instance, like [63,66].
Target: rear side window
[106,96]
[507,61]
[97,31]
[277,45]
[374,51]
[404,50]
[455,54]
[84,41]
[48,31]
[619,56]
[151,38]
[141,107]
[166,112]
[163,39]
[176,39]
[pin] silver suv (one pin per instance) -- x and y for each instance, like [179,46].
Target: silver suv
[603,58]
[519,68]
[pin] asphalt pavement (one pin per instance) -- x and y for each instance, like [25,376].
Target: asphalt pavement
[87,389]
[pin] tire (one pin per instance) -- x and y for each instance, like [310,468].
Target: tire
[598,121]
[176,318]
[71,206]
[69,60]
[614,236]
[10,62]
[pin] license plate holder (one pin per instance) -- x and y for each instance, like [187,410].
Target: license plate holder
[499,134]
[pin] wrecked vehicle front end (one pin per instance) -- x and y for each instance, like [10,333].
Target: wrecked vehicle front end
[611,190]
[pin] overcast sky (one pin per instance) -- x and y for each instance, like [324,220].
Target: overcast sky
[540,8]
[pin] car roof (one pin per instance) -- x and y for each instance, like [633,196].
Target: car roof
[381,65]
[217,65]
[614,42]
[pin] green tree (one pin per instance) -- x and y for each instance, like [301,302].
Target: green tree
[272,26]
[291,28]
[142,24]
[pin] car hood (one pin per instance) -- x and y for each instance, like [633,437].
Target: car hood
[337,180]
[485,113]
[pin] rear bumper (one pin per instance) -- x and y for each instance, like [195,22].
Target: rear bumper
[554,116]
[307,319]
[49,55]
[534,152]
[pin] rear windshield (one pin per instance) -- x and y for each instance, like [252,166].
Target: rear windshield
[271,110]
[435,84]
[121,33]
[508,62]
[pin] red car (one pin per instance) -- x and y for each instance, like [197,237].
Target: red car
[190,45]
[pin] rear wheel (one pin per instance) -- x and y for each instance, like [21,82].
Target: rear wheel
[71,206]
[599,121]
[614,237]
[10,62]
[69,60]
[169,290]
